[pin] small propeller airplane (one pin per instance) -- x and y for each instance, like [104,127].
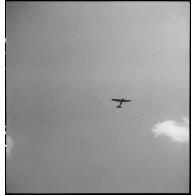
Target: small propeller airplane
[121,101]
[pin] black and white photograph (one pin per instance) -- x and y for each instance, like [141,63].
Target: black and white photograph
[97,96]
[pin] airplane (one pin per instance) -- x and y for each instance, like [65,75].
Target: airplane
[121,101]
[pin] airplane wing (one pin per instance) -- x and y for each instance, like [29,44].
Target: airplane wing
[126,100]
[117,100]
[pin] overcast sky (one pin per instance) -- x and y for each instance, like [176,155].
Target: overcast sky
[65,62]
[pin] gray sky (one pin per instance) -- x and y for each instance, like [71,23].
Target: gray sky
[65,61]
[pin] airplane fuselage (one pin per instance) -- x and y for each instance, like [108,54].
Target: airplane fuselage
[119,106]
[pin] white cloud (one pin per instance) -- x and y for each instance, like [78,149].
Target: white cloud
[186,120]
[177,132]
[9,145]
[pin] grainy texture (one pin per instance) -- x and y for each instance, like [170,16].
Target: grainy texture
[65,61]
